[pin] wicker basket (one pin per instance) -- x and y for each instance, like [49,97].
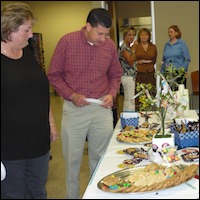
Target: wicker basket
[188,139]
[129,119]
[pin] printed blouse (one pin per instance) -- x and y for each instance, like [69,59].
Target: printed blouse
[128,70]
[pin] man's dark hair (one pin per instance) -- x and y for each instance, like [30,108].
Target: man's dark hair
[99,16]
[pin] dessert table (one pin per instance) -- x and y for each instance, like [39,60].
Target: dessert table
[109,164]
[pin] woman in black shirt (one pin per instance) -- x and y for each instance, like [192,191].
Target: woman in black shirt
[27,124]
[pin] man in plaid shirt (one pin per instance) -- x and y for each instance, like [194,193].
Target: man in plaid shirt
[85,64]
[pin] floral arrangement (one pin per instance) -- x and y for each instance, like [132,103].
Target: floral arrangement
[171,74]
[164,100]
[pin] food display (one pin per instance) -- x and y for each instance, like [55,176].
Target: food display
[190,156]
[127,128]
[128,163]
[131,151]
[138,155]
[138,136]
[144,125]
[151,125]
[169,154]
[149,144]
[184,126]
[152,177]
[189,150]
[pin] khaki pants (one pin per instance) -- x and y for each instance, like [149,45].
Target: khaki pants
[129,91]
[91,121]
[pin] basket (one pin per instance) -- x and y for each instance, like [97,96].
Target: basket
[188,139]
[129,119]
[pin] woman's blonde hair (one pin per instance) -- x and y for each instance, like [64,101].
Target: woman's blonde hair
[127,29]
[12,16]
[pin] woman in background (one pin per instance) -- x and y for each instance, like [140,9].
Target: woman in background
[127,60]
[176,53]
[27,123]
[146,55]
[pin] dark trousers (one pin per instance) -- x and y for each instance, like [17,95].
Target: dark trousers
[114,117]
[25,179]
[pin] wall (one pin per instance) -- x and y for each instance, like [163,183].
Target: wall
[60,18]
[185,14]
[129,9]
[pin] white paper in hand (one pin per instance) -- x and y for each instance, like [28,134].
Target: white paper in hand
[91,100]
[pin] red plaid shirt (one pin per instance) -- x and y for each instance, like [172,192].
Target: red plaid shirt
[79,67]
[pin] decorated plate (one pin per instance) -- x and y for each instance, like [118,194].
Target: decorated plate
[136,136]
[189,150]
[153,177]
[138,155]
[189,154]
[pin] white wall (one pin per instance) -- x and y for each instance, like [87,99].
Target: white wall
[185,14]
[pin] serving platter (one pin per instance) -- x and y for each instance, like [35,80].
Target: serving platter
[136,136]
[191,156]
[137,155]
[123,181]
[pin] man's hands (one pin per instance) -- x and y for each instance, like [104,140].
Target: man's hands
[79,100]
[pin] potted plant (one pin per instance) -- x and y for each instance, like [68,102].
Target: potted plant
[159,103]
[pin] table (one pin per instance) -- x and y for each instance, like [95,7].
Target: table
[109,164]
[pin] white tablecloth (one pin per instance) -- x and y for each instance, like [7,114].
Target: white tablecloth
[109,163]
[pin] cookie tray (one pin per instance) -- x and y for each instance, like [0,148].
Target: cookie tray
[124,173]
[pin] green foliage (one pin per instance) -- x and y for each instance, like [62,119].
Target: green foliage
[171,74]
[159,103]
[145,103]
